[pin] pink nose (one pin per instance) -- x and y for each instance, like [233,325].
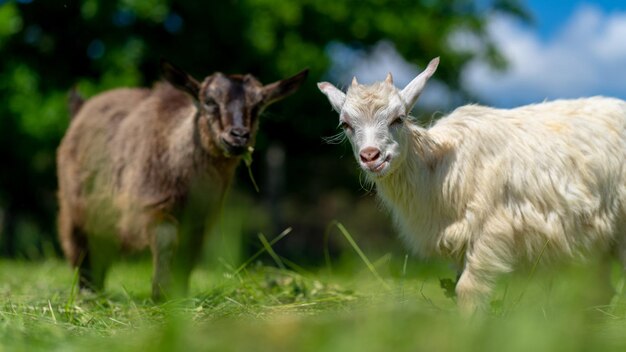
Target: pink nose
[369,154]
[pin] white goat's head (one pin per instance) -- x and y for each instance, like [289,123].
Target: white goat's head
[373,118]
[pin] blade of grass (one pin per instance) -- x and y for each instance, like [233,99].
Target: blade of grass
[72,298]
[531,274]
[260,251]
[295,267]
[428,300]
[227,265]
[358,250]
[406,260]
[326,251]
[54,318]
[270,251]
[403,278]
[382,260]
[247,159]
[619,293]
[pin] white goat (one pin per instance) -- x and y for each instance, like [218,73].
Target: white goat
[493,188]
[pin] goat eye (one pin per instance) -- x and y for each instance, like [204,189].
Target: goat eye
[397,121]
[346,126]
[210,106]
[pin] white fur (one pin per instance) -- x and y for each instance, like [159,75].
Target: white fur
[493,189]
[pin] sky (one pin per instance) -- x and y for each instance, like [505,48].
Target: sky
[572,49]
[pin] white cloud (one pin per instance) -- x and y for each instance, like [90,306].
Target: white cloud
[586,57]
[370,66]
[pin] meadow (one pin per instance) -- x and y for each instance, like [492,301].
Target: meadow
[358,302]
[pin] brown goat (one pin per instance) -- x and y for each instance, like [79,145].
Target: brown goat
[149,168]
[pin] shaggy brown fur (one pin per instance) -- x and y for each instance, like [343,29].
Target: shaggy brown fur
[149,168]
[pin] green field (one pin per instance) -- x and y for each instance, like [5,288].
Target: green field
[266,308]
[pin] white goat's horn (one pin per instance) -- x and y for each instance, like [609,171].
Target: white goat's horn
[354,81]
[389,79]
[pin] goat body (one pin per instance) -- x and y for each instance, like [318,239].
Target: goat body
[141,168]
[493,188]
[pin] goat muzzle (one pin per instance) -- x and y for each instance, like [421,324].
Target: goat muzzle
[236,140]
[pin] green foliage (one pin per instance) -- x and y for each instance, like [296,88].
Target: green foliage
[151,10]
[10,21]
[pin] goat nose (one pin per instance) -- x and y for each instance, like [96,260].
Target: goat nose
[369,154]
[240,133]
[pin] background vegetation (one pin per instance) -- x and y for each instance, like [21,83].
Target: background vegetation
[49,46]
[295,300]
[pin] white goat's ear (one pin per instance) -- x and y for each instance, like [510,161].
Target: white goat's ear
[412,91]
[334,95]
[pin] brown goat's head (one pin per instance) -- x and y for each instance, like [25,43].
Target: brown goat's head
[231,104]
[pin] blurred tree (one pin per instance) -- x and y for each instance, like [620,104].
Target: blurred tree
[50,45]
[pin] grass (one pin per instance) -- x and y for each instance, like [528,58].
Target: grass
[389,303]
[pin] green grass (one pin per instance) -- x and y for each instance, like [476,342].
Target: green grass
[383,304]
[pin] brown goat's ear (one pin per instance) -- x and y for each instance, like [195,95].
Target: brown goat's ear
[180,79]
[276,91]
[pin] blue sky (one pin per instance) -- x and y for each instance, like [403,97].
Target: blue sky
[573,49]
[550,15]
